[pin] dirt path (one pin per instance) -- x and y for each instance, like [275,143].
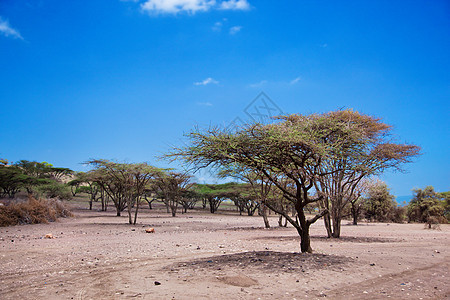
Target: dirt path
[202,256]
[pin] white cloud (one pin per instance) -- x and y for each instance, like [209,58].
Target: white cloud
[217,26]
[191,6]
[278,83]
[235,29]
[204,103]
[176,6]
[235,5]
[294,81]
[259,84]
[207,81]
[7,30]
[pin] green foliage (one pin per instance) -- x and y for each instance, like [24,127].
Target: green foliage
[11,180]
[446,204]
[124,183]
[29,175]
[174,188]
[428,206]
[224,190]
[55,190]
[298,151]
[380,205]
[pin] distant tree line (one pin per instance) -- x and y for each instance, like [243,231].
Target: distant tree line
[320,164]
[36,178]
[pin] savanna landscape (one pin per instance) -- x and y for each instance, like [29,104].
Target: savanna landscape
[224,149]
[133,230]
[96,255]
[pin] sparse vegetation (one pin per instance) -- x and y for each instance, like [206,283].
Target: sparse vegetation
[328,154]
[428,207]
[32,211]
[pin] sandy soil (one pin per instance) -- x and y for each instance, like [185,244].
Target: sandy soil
[96,255]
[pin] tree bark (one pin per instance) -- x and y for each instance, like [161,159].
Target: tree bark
[303,231]
[174,211]
[354,214]
[336,227]
[327,223]
[265,217]
[136,212]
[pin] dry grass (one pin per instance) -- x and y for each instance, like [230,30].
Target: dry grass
[32,211]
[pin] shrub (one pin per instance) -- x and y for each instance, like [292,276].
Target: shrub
[427,206]
[380,205]
[32,211]
[55,190]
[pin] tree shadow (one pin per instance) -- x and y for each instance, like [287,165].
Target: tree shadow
[342,239]
[267,261]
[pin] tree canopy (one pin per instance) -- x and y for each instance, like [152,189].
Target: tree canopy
[298,151]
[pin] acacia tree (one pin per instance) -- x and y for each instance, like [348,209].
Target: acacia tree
[287,153]
[124,183]
[296,154]
[427,206]
[243,197]
[261,187]
[215,194]
[361,148]
[33,174]
[11,181]
[379,204]
[172,187]
[356,200]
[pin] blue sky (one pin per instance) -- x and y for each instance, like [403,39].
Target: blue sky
[125,79]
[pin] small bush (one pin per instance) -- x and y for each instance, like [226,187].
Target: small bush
[32,211]
[55,190]
[398,214]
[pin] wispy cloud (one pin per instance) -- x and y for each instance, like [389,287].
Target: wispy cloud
[235,29]
[277,83]
[235,5]
[191,6]
[259,84]
[217,26]
[207,81]
[8,31]
[204,103]
[294,81]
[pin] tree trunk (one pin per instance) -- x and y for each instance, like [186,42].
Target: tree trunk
[265,217]
[336,227]
[303,230]
[305,243]
[130,220]
[211,206]
[354,214]
[106,202]
[327,222]
[136,212]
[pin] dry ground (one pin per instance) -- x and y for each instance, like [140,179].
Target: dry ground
[96,255]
